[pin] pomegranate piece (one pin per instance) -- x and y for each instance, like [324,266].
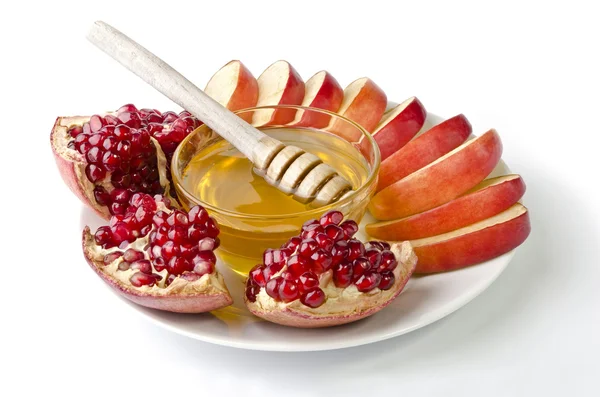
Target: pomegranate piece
[324,276]
[129,149]
[151,242]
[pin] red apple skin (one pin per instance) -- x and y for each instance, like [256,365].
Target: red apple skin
[441,181]
[365,108]
[473,248]
[328,97]
[293,94]
[396,133]
[426,148]
[463,211]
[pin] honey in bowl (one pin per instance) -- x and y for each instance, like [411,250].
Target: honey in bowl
[252,214]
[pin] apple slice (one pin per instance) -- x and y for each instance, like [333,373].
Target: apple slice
[398,126]
[426,148]
[473,244]
[279,84]
[321,91]
[487,199]
[364,103]
[233,86]
[441,181]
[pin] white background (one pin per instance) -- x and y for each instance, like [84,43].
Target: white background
[531,70]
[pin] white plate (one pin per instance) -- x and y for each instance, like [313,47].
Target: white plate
[425,299]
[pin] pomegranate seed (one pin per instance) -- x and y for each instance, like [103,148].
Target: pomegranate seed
[110,120]
[356,249]
[110,258]
[143,266]
[271,270]
[122,133]
[257,276]
[197,215]
[127,108]
[309,223]
[368,281]
[178,265]
[177,234]
[324,241]
[123,266]
[321,261]
[211,228]
[109,143]
[339,252]
[331,218]
[311,231]
[132,255]
[159,264]
[118,208]
[196,232]
[374,257]
[156,252]
[144,217]
[121,232]
[359,267]
[297,265]
[101,195]
[190,276]
[334,232]
[94,155]
[170,250]
[207,244]
[96,140]
[314,298]
[288,291]
[130,119]
[293,243]
[120,179]
[160,218]
[251,292]
[120,196]
[96,123]
[153,118]
[308,281]
[188,250]
[388,261]
[308,247]
[206,256]
[169,117]
[203,267]
[177,218]
[95,173]
[342,275]
[387,280]
[140,279]
[272,287]
[350,228]
[75,130]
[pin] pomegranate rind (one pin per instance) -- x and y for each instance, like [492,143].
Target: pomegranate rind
[204,295]
[295,314]
[71,164]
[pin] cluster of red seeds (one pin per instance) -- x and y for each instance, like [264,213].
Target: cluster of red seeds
[322,245]
[180,242]
[119,148]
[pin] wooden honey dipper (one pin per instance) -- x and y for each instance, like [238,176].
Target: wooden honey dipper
[289,168]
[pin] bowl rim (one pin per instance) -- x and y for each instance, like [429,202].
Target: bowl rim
[371,178]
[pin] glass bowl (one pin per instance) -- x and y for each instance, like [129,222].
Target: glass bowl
[244,236]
